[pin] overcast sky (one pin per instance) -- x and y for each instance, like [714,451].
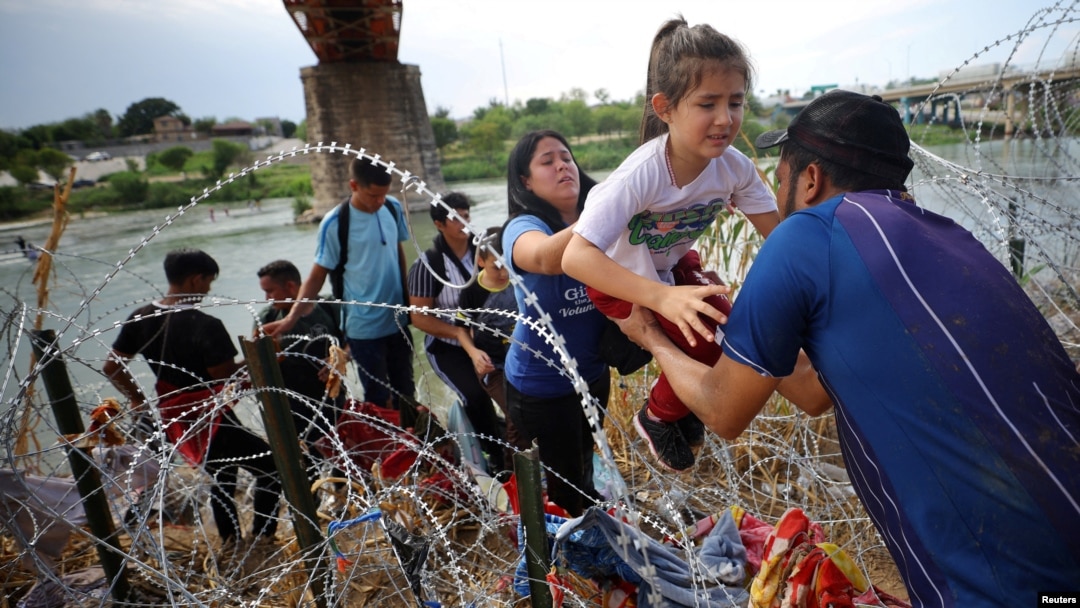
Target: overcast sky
[242,58]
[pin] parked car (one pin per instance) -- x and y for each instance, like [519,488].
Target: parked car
[83,183]
[96,156]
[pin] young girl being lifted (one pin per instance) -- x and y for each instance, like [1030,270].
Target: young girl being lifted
[633,243]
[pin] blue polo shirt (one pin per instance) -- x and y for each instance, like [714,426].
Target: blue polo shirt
[957,408]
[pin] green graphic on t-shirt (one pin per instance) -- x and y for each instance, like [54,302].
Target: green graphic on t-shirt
[661,231]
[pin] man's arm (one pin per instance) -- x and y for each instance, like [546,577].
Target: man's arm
[116,370]
[309,290]
[435,326]
[727,396]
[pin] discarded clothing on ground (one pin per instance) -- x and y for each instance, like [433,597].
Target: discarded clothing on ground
[40,511]
[596,546]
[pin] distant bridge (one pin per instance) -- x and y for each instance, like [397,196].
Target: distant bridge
[1004,86]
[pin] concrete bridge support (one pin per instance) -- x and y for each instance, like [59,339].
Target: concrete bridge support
[378,106]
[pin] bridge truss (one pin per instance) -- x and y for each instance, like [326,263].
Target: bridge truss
[349,31]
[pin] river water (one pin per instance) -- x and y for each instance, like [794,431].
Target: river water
[88,295]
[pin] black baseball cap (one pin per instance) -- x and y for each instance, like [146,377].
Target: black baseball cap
[857,131]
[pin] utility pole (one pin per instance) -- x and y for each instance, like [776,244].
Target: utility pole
[506,91]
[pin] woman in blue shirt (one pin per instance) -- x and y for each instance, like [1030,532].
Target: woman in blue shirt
[546,193]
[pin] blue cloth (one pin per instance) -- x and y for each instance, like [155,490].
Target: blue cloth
[956,405]
[593,546]
[572,314]
[372,271]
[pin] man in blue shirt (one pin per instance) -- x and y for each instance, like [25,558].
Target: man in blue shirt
[374,277]
[957,407]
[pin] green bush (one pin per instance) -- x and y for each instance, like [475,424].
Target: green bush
[300,205]
[468,169]
[299,185]
[744,142]
[131,188]
[166,194]
[174,158]
[94,198]
[17,202]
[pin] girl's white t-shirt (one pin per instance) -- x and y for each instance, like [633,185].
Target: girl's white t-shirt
[640,219]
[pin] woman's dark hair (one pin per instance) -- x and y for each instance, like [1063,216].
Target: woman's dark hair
[521,200]
[677,62]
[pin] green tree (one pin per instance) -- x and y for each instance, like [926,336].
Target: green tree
[53,162]
[174,158]
[225,153]
[204,125]
[444,128]
[132,188]
[39,135]
[579,118]
[602,96]
[139,117]
[301,130]
[537,106]
[24,174]
[103,121]
[10,145]
[288,127]
[609,119]
[576,94]
[75,129]
[484,138]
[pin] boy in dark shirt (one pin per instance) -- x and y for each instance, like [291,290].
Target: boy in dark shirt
[191,354]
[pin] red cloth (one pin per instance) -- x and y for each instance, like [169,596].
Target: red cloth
[191,418]
[662,400]
[368,433]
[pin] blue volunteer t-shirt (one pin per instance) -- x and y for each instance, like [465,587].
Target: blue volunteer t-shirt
[572,314]
[958,420]
[372,272]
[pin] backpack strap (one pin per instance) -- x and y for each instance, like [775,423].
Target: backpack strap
[437,261]
[337,275]
[438,265]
